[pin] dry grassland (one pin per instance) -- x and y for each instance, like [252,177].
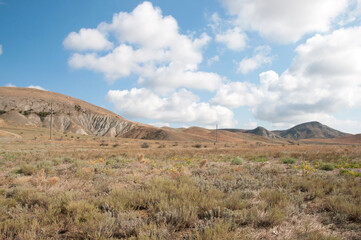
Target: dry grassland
[85,187]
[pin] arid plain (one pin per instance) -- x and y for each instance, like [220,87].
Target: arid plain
[88,187]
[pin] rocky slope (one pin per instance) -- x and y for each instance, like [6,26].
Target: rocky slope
[302,131]
[311,130]
[261,131]
[32,107]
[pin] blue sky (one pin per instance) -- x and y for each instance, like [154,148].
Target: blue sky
[235,63]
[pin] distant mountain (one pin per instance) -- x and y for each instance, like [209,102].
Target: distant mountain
[261,131]
[310,130]
[302,131]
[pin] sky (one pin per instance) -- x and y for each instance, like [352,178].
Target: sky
[234,63]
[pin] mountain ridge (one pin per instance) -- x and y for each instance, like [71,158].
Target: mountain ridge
[307,130]
[31,107]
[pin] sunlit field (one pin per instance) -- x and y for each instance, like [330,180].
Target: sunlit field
[86,187]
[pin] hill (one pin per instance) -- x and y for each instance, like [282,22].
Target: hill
[311,130]
[32,107]
[261,131]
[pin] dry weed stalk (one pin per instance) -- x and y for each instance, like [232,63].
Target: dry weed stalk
[203,163]
[141,158]
[52,181]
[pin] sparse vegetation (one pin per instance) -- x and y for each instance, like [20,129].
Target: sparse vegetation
[197,145]
[288,160]
[237,161]
[145,145]
[326,167]
[86,189]
[43,115]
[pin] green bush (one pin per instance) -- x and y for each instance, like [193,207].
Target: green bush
[327,167]
[27,170]
[258,158]
[288,161]
[261,159]
[237,161]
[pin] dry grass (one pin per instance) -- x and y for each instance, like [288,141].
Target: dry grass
[78,188]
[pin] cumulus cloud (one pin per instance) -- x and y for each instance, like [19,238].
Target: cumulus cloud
[10,85]
[261,57]
[285,21]
[323,79]
[1,49]
[179,107]
[237,94]
[234,39]
[228,34]
[87,39]
[149,46]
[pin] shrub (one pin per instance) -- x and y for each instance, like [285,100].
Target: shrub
[275,216]
[237,161]
[273,198]
[343,205]
[258,159]
[144,145]
[43,115]
[326,167]
[197,146]
[27,170]
[261,159]
[288,161]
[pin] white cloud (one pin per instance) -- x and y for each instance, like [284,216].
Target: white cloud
[31,86]
[151,47]
[1,49]
[36,87]
[323,79]
[234,39]
[237,94]
[180,107]
[87,39]
[212,60]
[251,125]
[353,14]
[285,21]
[261,57]
[160,124]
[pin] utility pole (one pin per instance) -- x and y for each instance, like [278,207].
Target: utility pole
[216,133]
[51,120]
